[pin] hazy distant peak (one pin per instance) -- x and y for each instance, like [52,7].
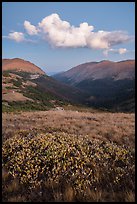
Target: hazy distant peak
[105,61]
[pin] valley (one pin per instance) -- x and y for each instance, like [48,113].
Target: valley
[68,102]
[109,85]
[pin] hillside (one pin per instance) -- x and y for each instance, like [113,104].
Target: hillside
[20,65]
[55,150]
[104,84]
[98,70]
[107,84]
[28,88]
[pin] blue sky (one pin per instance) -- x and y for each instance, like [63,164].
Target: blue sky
[107,32]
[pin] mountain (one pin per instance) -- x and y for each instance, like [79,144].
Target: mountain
[20,65]
[26,86]
[104,84]
[108,84]
[53,73]
[98,70]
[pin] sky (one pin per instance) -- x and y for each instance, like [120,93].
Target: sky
[57,36]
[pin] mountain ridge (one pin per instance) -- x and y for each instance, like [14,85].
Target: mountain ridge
[28,88]
[98,70]
[21,65]
[108,84]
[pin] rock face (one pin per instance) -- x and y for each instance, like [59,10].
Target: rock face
[20,65]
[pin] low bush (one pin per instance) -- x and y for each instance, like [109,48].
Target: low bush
[65,167]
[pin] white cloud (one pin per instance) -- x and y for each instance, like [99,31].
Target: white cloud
[61,33]
[122,50]
[116,51]
[16,36]
[96,40]
[31,29]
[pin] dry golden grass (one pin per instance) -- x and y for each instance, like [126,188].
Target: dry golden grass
[129,197]
[63,131]
[117,127]
[69,194]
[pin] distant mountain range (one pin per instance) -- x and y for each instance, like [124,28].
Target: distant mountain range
[108,84]
[53,73]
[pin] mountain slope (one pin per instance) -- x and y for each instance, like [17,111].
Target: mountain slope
[107,84]
[30,88]
[98,70]
[20,65]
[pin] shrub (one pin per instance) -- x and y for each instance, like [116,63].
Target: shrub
[5,73]
[17,83]
[49,163]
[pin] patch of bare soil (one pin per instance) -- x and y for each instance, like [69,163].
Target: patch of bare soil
[14,96]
